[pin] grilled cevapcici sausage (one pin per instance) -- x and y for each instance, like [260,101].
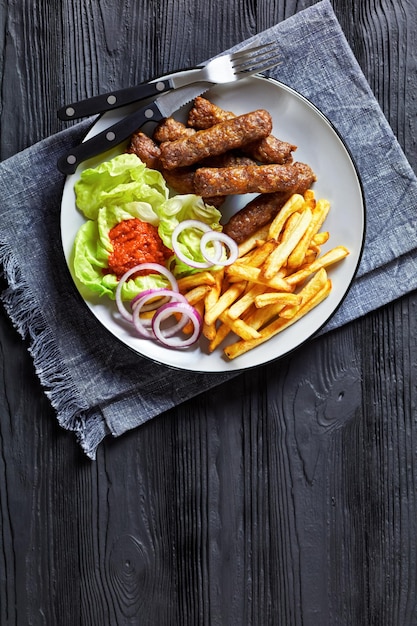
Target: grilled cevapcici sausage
[217,139]
[213,181]
[146,149]
[204,114]
[182,179]
[171,129]
[262,209]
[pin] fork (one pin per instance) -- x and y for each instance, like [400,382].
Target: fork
[239,65]
[226,68]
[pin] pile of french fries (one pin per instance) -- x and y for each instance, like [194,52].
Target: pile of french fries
[279,276]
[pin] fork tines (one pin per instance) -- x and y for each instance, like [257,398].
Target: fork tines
[257,59]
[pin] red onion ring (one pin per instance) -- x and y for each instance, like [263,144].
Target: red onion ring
[142,327]
[213,237]
[175,244]
[158,294]
[188,312]
[127,315]
[139,304]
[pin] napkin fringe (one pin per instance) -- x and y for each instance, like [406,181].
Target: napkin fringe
[26,316]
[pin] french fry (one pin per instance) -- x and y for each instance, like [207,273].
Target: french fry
[224,301]
[264,299]
[239,327]
[250,257]
[201,278]
[240,347]
[197,294]
[242,304]
[315,284]
[319,214]
[257,318]
[251,242]
[289,226]
[253,275]
[259,254]
[333,256]
[311,255]
[209,331]
[147,315]
[320,238]
[310,199]
[195,297]
[278,257]
[214,293]
[295,203]
[199,306]
[221,333]
[211,299]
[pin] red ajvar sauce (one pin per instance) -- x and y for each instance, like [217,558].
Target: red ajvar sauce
[135,242]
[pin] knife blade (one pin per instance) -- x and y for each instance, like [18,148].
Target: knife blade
[112,100]
[162,107]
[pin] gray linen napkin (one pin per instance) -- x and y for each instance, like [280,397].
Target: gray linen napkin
[96,384]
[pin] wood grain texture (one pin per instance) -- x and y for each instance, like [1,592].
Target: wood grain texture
[286,497]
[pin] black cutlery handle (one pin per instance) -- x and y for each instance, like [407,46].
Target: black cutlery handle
[108,138]
[112,100]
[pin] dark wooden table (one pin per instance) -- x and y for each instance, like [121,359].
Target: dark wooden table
[286,497]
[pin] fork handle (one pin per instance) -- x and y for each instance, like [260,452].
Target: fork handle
[113,99]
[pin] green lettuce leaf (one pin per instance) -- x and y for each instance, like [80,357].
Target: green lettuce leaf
[119,181]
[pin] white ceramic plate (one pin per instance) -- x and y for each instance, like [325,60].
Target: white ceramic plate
[297,121]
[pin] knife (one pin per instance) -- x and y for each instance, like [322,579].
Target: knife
[162,107]
[121,97]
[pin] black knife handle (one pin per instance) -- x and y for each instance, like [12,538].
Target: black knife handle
[113,99]
[108,138]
